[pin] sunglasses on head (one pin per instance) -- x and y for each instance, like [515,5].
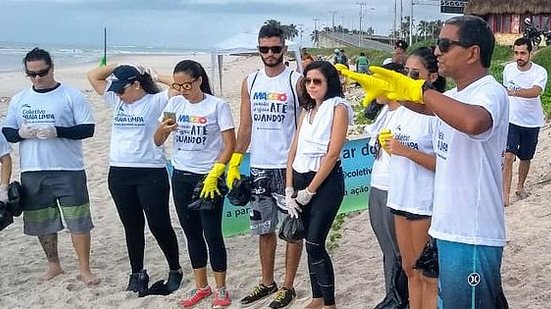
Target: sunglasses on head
[121,92]
[183,86]
[266,49]
[40,73]
[315,81]
[412,73]
[445,44]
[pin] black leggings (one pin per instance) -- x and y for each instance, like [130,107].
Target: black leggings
[139,190]
[199,225]
[318,217]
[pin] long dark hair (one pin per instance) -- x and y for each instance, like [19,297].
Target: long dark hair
[147,84]
[426,54]
[334,88]
[195,70]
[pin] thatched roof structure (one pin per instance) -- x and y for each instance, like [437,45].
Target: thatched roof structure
[486,7]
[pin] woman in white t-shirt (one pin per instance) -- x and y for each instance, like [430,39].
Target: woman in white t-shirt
[314,178]
[203,142]
[138,179]
[380,217]
[411,185]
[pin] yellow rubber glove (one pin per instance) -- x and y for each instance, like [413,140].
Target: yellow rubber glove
[402,87]
[373,87]
[383,136]
[233,169]
[210,184]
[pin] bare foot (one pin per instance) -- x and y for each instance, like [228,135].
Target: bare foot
[522,194]
[88,278]
[53,271]
[316,303]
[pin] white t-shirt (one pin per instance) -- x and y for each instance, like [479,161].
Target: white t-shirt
[63,107]
[412,188]
[133,128]
[5,147]
[313,139]
[380,175]
[525,112]
[468,199]
[198,139]
[275,110]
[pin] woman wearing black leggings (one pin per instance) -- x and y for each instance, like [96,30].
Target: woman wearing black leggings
[138,180]
[204,141]
[315,181]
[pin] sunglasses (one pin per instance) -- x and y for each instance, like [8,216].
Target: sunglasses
[266,49]
[183,86]
[123,90]
[315,81]
[40,73]
[412,73]
[445,44]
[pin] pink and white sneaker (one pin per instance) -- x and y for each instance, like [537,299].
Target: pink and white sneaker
[221,298]
[195,296]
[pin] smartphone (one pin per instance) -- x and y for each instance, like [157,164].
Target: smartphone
[171,116]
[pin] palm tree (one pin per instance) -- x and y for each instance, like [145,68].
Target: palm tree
[289,31]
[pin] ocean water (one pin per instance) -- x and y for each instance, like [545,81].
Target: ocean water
[12,53]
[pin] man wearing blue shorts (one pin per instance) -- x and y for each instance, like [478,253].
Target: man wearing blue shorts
[468,217]
[49,121]
[525,81]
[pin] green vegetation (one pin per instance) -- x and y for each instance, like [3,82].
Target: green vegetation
[335,233]
[543,58]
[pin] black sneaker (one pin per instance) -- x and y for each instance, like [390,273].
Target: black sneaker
[259,293]
[283,298]
[174,280]
[138,282]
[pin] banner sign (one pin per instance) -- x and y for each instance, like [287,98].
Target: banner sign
[357,162]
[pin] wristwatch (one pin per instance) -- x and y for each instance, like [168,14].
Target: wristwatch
[428,85]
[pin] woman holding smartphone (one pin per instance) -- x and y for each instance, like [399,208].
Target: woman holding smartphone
[204,140]
[138,180]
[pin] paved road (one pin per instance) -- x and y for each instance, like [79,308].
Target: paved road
[353,40]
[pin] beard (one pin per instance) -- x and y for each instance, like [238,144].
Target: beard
[522,63]
[277,62]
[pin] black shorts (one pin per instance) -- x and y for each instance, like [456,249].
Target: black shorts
[408,215]
[522,141]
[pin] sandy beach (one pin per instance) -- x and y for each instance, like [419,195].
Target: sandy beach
[526,267]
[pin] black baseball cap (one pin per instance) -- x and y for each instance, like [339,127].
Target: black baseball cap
[122,76]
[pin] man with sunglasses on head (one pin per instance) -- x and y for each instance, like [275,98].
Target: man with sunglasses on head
[525,81]
[268,119]
[468,217]
[49,121]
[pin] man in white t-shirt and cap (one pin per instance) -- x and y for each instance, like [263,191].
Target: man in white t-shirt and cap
[468,217]
[269,116]
[525,81]
[49,121]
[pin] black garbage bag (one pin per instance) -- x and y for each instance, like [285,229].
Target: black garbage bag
[428,261]
[198,203]
[240,194]
[6,217]
[372,110]
[14,198]
[292,229]
[158,288]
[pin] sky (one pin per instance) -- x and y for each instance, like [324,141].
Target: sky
[190,24]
